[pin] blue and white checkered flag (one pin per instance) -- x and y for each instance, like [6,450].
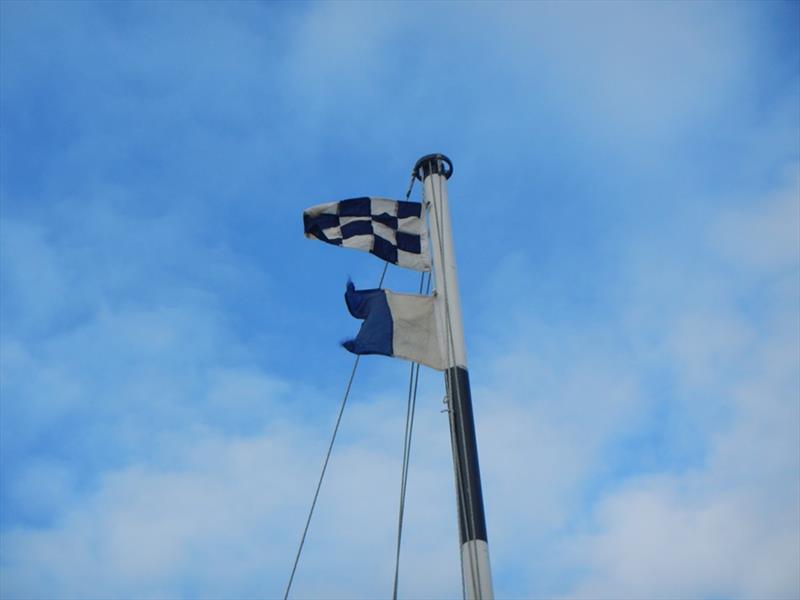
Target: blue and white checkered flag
[392,230]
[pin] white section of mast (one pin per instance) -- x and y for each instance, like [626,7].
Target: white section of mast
[475,558]
[446,275]
[475,565]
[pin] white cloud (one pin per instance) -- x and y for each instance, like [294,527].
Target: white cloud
[224,519]
[193,470]
[765,238]
[222,512]
[726,525]
[661,539]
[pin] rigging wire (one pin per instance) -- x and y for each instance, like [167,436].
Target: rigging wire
[406,449]
[463,503]
[460,500]
[411,184]
[413,382]
[474,568]
[327,458]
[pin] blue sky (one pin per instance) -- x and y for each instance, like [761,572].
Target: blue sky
[626,209]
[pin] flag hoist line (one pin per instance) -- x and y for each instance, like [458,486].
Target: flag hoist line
[422,329]
[434,170]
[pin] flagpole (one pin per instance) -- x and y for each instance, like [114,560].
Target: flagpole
[434,170]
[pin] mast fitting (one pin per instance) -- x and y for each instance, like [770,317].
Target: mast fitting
[433,163]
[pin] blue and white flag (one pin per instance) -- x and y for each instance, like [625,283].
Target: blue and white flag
[393,230]
[401,325]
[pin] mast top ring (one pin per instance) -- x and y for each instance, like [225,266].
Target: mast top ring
[433,163]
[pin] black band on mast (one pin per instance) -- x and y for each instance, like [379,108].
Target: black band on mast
[472,521]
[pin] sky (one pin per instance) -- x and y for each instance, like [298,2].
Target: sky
[626,215]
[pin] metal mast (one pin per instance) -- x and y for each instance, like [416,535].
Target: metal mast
[434,170]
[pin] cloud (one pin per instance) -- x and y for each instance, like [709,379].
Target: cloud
[765,239]
[224,517]
[167,389]
[726,523]
[658,540]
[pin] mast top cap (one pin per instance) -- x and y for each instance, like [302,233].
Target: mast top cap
[433,163]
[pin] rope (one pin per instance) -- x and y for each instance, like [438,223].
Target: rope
[327,458]
[410,185]
[456,476]
[463,502]
[412,398]
[413,381]
[448,393]
[474,568]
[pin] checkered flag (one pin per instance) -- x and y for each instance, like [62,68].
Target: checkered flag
[392,230]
